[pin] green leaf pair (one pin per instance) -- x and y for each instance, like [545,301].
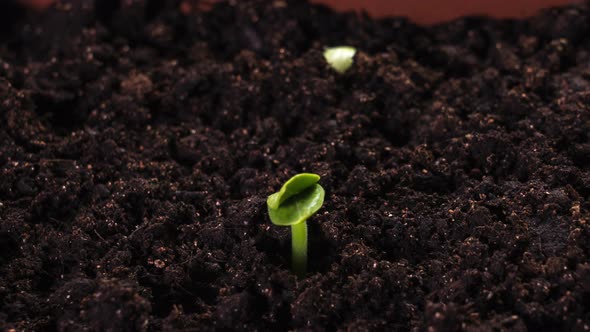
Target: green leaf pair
[340,58]
[299,198]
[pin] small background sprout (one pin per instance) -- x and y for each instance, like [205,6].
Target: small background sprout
[340,58]
[299,198]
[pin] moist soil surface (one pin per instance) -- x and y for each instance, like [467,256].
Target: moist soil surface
[139,143]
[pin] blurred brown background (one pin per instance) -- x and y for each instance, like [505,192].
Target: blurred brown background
[421,11]
[433,11]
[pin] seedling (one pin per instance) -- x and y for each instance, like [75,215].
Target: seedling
[340,58]
[299,198]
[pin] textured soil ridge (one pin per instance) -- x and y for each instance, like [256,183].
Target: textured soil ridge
[139,144]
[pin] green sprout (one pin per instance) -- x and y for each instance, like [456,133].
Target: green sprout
[340,58]
[299,198]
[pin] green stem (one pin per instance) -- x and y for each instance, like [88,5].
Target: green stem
[299,248]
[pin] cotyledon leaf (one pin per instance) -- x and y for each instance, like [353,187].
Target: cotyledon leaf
[292,187]
[340,58]
[298,199]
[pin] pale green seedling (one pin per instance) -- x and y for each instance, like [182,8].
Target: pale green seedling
[299,198]
[340,58]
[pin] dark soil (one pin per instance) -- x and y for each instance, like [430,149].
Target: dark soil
[139,144]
